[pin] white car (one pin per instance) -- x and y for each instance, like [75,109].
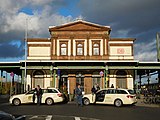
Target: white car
[112,96]
[50,96]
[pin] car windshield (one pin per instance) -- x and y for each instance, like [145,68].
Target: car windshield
[131,91]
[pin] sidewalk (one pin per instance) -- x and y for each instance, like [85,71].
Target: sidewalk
[142,104]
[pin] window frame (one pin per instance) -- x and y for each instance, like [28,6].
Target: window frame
[66,47]
[80,42]
[94,42]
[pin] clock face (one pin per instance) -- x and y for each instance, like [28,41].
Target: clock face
[120,51]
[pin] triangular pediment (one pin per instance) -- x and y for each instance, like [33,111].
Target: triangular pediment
[79,26]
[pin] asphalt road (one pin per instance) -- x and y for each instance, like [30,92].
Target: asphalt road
[72,112]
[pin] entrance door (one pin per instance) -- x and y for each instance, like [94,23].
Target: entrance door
[38,79]
[80,80]
[121,82]
[121,79]
[63,83]
[95,81]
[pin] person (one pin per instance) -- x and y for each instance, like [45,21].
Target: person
[78,93]
[97,87]
[38,93]
[93,90]
[158,90]
[112,86]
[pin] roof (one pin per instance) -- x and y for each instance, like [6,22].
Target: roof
[51,28]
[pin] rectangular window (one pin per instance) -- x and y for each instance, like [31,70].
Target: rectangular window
[95,51]
[79,51]
[63,51]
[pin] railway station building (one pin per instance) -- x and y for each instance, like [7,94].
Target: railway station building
[80,52]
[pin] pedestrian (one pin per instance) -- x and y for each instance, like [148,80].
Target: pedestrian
[97,87]
[78,93]
[158,90]
[112,86]
[93,90]
[39,93]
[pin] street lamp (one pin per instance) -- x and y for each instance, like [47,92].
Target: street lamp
[25,71]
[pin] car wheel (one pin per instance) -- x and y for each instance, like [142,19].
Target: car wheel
[49,101]
[118,103]
[86,101]
[16,102]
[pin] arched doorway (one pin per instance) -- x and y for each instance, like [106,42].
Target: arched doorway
[38,78]
[121,81]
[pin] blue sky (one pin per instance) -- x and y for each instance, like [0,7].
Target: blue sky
[136,19]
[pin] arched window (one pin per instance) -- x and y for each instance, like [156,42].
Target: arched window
[63,49]
[96,50]
[121,73]
[80,49]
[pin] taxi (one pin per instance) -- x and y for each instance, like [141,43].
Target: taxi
[49,97]
[112,96]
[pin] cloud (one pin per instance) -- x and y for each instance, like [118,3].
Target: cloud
[13,22]
[14,50]
[127,18]
[146,51]
[137,18]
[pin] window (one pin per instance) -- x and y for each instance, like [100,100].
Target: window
[52,91]
[96,49]
[63,49]
[38,78]
[80,80]
[79,49]
[111,91]
[121,79]
[121,92]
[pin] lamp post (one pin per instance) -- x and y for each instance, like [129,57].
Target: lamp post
[25,71]
[51,71]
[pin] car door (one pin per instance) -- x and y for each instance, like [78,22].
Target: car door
[28,97]
[50,93]
[109,96]
[100,96]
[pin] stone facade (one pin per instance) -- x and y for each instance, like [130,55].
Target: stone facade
[75,53]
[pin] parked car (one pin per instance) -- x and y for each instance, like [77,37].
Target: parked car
[117,97]
[50,96]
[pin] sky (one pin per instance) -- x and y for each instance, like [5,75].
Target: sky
[138,19]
